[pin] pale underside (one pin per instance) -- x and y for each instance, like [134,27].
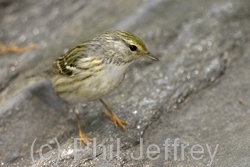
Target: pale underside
[90,85]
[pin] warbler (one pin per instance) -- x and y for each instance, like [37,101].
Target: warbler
[94,68]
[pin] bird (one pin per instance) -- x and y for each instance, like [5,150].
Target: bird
[94,68]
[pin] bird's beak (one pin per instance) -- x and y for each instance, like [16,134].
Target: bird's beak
[151,56]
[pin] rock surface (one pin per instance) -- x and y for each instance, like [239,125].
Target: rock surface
[197,95]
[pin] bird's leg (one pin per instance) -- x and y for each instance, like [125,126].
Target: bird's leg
[84,138]
[113,117]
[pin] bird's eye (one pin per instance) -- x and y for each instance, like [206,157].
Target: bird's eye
[132,47]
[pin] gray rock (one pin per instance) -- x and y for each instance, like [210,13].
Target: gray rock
[198,92]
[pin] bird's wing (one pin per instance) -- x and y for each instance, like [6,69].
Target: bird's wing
[67,63]
[77,61]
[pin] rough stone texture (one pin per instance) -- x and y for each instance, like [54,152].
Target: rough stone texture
[198,92]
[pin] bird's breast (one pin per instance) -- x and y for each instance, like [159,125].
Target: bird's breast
[105,81]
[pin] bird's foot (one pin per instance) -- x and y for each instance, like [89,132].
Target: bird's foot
[116,121]
[84,139]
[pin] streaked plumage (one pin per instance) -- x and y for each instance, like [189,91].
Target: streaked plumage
[96,67]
